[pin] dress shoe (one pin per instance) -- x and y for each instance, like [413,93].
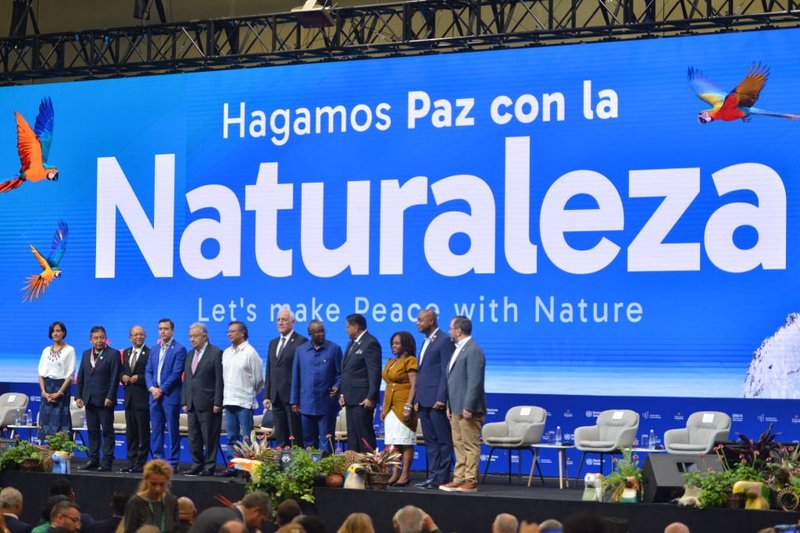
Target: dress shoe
[424,484]
[450,487]
[90,466]
[194,471]
[104,468]
[468,486]
[206,473]
[126,470]
[401,484]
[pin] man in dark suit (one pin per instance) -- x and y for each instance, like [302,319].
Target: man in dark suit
[280,357]
[254,510]
[202,400]
[137,402]
[466,404]
[98,381]
[361,382]
[432,361]
[163,377]
[11,504]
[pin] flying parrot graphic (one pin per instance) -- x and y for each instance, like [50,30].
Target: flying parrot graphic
[737,104]
[33,146]
[38,283]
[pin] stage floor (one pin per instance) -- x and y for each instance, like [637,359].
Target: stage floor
[465,513]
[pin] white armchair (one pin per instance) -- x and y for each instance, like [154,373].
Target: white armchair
[703,430]
[615,429]
[522,427]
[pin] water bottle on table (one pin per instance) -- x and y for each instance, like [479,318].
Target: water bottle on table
[28,418]
[652,438]
[558,435]
[17,415]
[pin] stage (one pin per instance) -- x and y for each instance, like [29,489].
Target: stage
[464,513]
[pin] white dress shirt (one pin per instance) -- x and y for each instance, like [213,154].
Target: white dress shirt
[241,375]
[459,345]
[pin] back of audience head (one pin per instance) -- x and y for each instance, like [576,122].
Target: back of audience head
[148,528]
[584,523]
[408,519]
[676,527]
[505,523]
[187,512]
[257,509]
[291,528]
[61,485]
[357,523]
[286,512]
[310,523]
[551,525]
[11,500]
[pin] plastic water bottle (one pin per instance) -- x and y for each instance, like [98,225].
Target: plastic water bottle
[17,415]
[558,435]
[652,439]
[338,450]
[28,418]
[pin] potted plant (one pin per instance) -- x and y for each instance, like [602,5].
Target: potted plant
[63,447]
[716,486]
[25,455]
[625,482]
[378,464]
[295,481]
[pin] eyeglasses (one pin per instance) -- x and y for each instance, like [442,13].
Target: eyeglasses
[73,518]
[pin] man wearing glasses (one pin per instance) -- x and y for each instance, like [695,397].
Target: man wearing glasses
[243,379]
[66,515]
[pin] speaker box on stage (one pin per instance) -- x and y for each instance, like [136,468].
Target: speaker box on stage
[662,473]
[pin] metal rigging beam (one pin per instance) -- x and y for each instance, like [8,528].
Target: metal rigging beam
[402,28]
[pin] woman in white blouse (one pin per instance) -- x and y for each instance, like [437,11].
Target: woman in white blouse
[56,372]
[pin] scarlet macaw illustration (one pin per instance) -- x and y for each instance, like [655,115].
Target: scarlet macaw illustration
[38,283]
[33,146]
[737,104]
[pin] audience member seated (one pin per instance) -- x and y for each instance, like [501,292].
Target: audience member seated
[62,486]
[551,526]
[11,504]
[44,525]
[232,526]
[287,511]
[66,515]
[411,519]
[118,500]
[153,504]
[505,523]
[357,523]
[255,509]
[187,513]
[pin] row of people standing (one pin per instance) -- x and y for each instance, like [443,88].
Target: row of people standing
[305,383]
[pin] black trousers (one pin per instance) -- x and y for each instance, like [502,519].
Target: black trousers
[204,430]
[286,423]
[100,420]
[360,428]
[137,435]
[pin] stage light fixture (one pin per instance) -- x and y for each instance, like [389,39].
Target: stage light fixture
[313,14]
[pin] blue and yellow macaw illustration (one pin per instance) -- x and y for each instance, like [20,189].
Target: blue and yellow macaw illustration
[33,146]
[38,283]
[737,104]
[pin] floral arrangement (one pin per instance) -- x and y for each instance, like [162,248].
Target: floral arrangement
[295,481]
[626,478]
[62,442]
[379,461]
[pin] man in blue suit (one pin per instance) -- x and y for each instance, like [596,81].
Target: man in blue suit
[163,377]
[96,388]
[316,377]
[433,359]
